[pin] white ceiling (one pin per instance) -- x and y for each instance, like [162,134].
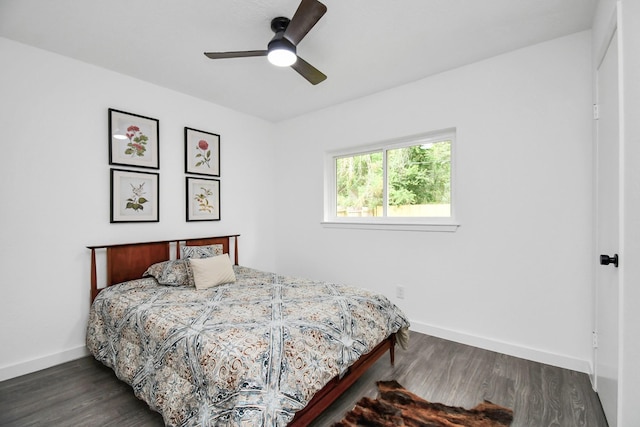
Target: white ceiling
[363,46]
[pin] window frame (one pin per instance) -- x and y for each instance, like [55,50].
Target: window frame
[330,219]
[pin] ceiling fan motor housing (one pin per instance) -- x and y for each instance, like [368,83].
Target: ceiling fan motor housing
[281,43]
[278,26]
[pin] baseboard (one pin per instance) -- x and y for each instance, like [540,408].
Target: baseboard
[33,365]
[534,355]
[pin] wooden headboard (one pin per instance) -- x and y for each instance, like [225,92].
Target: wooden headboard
[128,261]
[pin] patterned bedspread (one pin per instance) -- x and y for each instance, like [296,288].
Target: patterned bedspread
[248,353]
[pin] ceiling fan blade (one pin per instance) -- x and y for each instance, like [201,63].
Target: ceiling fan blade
[241,54]
[308,71]
[308,14]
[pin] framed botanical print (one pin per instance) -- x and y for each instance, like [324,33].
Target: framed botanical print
[203,199]
[202,152]
[133,140]
[134,196]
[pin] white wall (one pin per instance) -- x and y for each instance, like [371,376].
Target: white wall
[55,192]
[516,276]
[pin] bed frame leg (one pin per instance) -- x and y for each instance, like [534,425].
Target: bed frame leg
[392,349]
[94,278]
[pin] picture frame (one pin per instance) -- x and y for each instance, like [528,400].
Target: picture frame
[135,196]
[203,199]
[134,140]
[202,152]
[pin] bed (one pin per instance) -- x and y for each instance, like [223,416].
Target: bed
[259,350]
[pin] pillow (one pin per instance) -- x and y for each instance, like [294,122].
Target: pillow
[171,273]
[200,251]
[213,271]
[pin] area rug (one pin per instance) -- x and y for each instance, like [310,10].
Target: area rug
[396,406]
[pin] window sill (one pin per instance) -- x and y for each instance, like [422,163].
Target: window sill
[431,227]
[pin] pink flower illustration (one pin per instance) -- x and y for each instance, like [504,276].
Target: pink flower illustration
[204,154]
[137,142]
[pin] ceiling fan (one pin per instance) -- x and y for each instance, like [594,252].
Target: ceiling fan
[281,50]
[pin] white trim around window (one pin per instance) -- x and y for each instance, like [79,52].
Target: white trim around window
[441,224]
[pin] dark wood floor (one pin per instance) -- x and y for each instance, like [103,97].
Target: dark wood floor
[86,393]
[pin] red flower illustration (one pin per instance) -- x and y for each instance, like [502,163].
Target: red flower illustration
[137,142]
[204,154]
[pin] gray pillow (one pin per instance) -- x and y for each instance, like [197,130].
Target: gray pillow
[175,272]
[200,251]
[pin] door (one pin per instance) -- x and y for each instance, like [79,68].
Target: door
[607,231]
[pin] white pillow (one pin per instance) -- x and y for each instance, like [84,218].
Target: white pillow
[212,271]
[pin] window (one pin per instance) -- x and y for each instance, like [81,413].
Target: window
[404,183]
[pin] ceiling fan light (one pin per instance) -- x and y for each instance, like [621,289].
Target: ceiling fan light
[282,57]
[282,53]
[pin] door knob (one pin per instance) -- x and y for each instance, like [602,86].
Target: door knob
[606,260]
